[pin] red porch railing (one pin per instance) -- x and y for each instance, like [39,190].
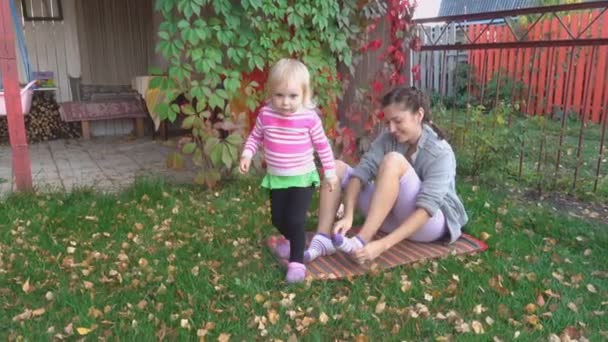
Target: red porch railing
[16,126]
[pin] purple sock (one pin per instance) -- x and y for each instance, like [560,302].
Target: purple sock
[296,272]
[282,249]
[346,244]
[320,245]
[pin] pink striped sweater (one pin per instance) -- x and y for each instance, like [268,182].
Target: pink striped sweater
[289,142]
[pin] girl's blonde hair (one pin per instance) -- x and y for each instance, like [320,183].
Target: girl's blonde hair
[291,69]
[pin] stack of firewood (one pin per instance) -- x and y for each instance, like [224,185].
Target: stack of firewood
[43,121]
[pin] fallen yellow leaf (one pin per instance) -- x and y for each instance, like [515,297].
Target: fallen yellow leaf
[323,318]
[38,312]
[27,287]
[273,316]
[83,331]
[361,338]
[533,320]
[27,314]
[530,308]
[259,298]
[405,285]
[479,309]
[477,327]
[572,307]
[94,312]
[380,307]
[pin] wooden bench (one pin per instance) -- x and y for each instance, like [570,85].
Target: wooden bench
[91,102]
[85,112]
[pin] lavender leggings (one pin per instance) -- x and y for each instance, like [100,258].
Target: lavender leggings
[409,186]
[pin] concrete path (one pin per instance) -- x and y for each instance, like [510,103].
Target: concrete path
[106,164]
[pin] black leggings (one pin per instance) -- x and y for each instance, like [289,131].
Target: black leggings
[289,207]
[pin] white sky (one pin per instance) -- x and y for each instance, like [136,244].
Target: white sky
[427,9]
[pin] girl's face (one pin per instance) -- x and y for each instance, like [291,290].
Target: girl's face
[287,97]
[404,125]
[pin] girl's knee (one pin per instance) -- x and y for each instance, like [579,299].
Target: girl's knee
[295,224]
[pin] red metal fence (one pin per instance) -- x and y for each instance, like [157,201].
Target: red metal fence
[544,71]
[549,61]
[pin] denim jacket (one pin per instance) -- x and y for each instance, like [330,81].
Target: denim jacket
[435,164]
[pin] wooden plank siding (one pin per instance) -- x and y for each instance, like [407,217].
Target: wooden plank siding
[53,46]
[438,68]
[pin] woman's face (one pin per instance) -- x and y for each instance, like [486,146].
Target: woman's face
[404,125]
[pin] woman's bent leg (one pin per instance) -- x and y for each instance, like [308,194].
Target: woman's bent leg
[385,193]
[409,187]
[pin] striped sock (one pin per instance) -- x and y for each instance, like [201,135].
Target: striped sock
[319,246]
[346,244]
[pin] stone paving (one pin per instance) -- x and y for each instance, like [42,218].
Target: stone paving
[105,164]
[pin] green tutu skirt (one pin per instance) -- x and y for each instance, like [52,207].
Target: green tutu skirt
[282,182]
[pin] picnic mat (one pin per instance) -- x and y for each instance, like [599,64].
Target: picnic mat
[339,265]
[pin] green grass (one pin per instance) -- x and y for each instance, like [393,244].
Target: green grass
[570,157]
[154,255]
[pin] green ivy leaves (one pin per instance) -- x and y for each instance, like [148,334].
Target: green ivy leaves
[211,44]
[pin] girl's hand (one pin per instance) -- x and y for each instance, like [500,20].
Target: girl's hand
[340,212]
[343,225]
[332,183]
[244,165]
[369,252]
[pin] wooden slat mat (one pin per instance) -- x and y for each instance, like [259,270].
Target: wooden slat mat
[340,265]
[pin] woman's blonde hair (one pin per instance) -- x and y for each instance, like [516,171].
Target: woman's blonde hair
[291,69]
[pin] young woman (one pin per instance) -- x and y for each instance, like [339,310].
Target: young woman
[404,185]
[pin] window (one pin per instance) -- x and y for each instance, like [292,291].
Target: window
[42,10]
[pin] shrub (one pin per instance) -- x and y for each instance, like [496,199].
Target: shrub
[485,142]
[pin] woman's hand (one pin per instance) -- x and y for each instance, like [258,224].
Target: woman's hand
[343,225]
[244,165]
[370,251]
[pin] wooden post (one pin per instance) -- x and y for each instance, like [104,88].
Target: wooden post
[139,127]
[12,97]
[86,129]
